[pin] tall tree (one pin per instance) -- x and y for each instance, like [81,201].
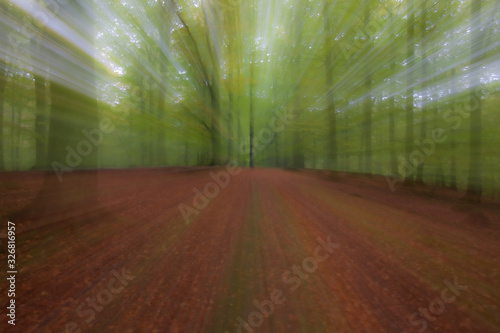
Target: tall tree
[410,55]
[210,75]
[476,43]
[367,111]
[3,84]
[392,105]
[453,154]
[424,61]
[251,125]
[164,36]
[331,161]
[297,150]
[212,17]
[65,192]
[41,106]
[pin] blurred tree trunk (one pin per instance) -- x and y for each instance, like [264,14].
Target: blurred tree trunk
[277,161]
[161,149]
[164,34]
[392,105]
[18,142]
[453,157]
[410,53]
[143,128]
[212,81]
[230,134]
[186,154]
[297,151]
[439,178]
[230,22]
[332,155]
[210,15]
[423,48]
[41,107]
[67,193]
[474,178]
[40,122]
[151,142]
[347,152]
[367,122]
[3,84]
[238,124]
[13,134]
[392,135]
[230,110]
[251,156]
[216,138]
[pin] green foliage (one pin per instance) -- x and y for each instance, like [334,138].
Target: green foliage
[175,78]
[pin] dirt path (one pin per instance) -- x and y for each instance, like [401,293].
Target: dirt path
[271,251]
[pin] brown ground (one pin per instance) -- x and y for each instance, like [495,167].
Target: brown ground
[395,253]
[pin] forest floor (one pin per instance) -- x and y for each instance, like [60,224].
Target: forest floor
[269,250]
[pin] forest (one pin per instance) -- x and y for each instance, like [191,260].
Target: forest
[208,145]
[402,89]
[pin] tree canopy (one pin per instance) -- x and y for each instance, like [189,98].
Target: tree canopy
[405,89]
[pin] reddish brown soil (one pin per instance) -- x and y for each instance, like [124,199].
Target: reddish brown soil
[395,253]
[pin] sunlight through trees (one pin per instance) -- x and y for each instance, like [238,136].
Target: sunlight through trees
[404,89]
